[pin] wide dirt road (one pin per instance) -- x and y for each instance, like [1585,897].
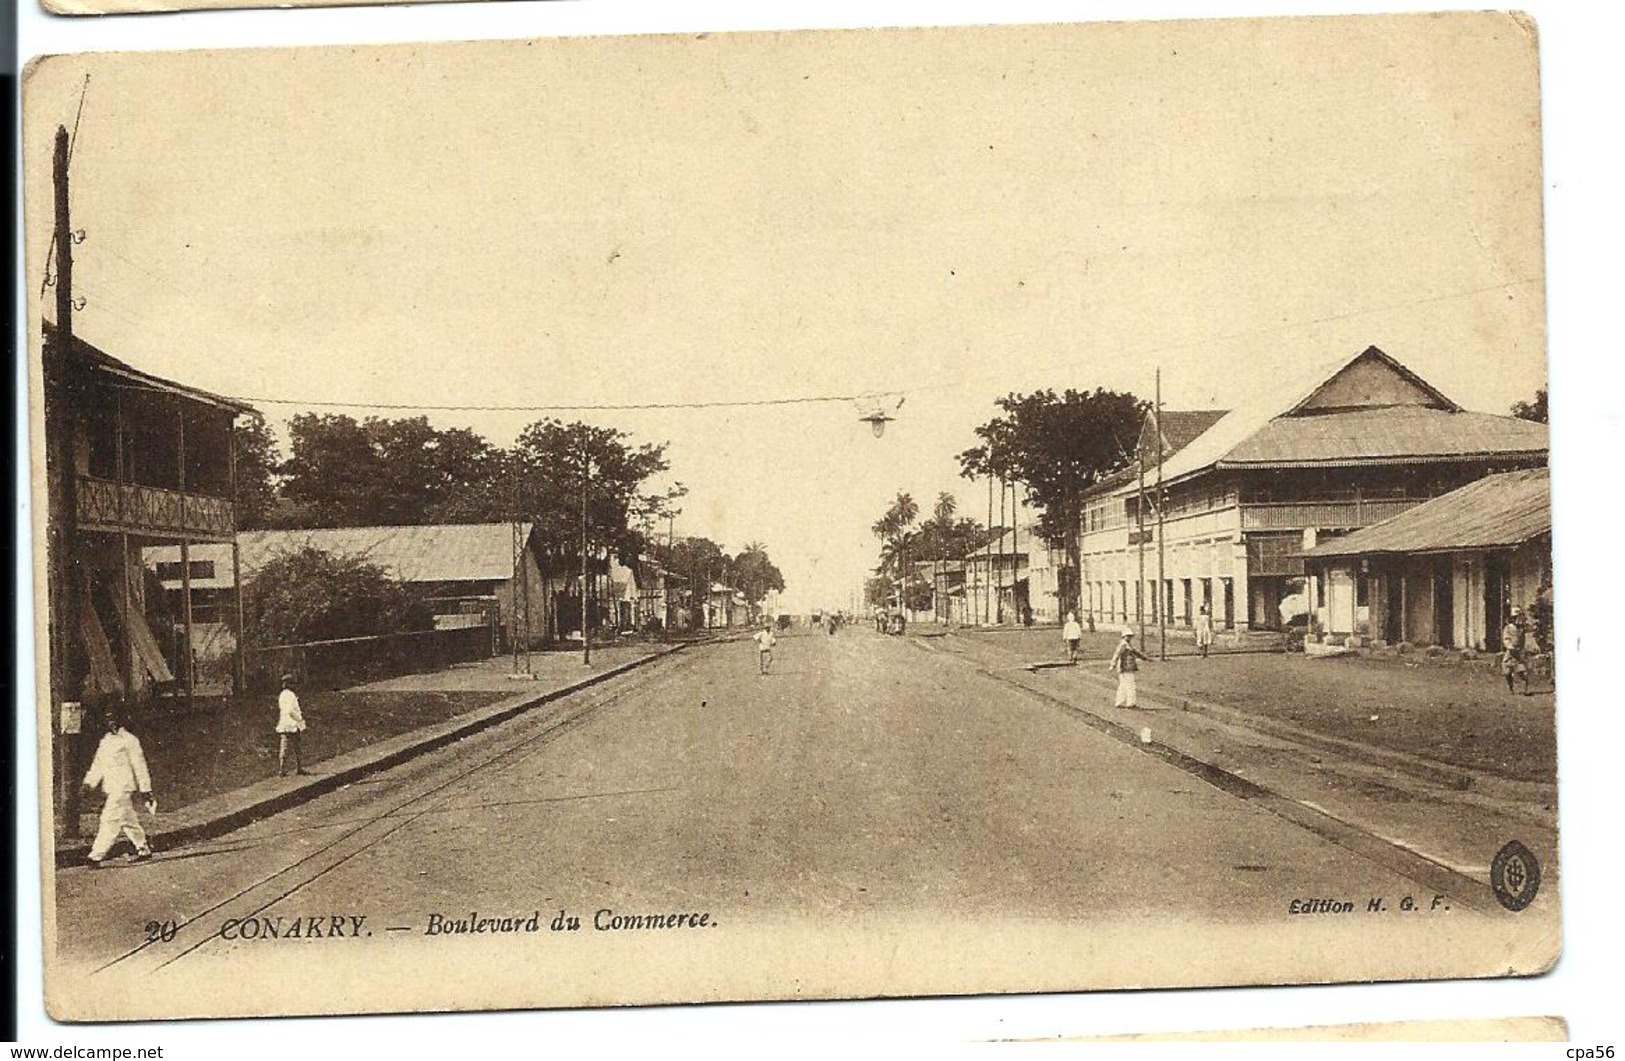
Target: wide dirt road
[864,781]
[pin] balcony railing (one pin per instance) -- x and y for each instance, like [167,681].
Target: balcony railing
[1326,515]
[105,505]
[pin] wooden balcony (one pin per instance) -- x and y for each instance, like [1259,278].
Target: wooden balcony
[1324,515]
[152,512]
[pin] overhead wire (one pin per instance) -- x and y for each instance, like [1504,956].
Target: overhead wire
[877,394]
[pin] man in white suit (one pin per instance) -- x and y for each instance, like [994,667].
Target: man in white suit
[120,771]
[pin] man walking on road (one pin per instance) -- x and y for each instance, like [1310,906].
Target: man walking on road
[1204,631]
[1125,661]
[120,771]
[764,647]
[290,726]
[1072,634]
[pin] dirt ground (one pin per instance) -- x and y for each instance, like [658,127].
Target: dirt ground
[1456,713]
[225,743]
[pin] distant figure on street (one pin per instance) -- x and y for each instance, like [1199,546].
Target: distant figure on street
[1204,631]
[290,724]
[1125,661]
[834,624]
[1514,663]
[120,771]
[1072,634]
[764,648]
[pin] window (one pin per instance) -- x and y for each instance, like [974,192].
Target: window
[170,570]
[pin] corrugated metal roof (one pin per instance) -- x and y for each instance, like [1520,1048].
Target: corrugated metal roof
[108,363]
[1497,511]
[447,552]
[1180,427]
[1004,546]
[1263,428]
[1387,433]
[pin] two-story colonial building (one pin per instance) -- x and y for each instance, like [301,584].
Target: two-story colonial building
[1246,491]
[132,460]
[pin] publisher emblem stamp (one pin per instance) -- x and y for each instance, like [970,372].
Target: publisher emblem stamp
[1515,876]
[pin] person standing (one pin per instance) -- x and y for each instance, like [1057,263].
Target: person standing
[120,771]
[1072,634]
[1126,662]
[764,648]
[1513,646]
[290,727]
[1204,631]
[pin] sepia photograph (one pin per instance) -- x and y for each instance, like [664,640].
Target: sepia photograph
[803,515]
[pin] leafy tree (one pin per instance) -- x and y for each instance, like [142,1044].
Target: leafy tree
[556,464]
[332,473]
[1534,409]
[312,595]
[1058,446]
[754,575]
[390,472]
[698,562]
[427,474]
[256,457]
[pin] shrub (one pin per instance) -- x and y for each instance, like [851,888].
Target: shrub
[312,595]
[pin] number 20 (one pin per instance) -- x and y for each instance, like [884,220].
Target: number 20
[161,931]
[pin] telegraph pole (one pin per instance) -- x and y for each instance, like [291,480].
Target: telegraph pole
[668,620]
[987,599]
[1015,551]
[1140,601]
[1163,602]
[993,575]
[69,666]
[520,592]
[586,625]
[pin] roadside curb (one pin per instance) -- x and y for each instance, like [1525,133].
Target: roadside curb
[221,814]
[1347,834]
[1445,775]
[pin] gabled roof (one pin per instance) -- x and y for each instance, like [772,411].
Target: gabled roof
[1003,545]
[444,552]
[1356,408]
[1392,433]
[1180,427]
[105,362]
[1495,512]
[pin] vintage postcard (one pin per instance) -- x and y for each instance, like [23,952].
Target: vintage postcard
[1480,1030]
[129,7]
[802,515]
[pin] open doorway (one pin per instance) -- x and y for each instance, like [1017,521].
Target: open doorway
[1444,601]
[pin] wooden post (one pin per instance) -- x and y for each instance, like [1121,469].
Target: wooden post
[68,663]
[239,662]
[987,579]
[1162,503]
[130,662]
[1139,537]
[586,624]
[186,556]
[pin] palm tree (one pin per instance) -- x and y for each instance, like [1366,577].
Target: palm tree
[894,531]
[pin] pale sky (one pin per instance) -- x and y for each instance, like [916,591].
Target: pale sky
[946,215]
